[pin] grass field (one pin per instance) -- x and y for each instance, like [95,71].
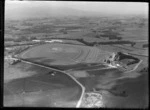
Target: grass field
[63,54]
[29,85]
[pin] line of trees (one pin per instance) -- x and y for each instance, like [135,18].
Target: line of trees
[145,45]
[98,43]
[106,43]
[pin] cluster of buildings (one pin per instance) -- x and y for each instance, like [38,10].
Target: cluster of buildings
[115,60]
[49,41]
[11,60]
[92,100]
[111,60]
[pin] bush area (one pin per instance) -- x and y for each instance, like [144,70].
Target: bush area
[17,44]
[48,29]
[8,39]
[39,29]
[105,43]
[120,56]
[145,69]
[109,33]
[20,49]
[145,45]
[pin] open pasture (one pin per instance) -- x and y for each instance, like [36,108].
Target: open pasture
[34,86]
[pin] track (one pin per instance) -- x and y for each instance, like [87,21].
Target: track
[92,56]
[78,56]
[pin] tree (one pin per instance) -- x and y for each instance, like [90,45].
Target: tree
[119,38]
[65,32]
[145,45]
[132,44]
[32,38]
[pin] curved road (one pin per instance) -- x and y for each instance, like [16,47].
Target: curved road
[83,88]
[65,72]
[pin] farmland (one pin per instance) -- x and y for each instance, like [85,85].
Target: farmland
[61,74]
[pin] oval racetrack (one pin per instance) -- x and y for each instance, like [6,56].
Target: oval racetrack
[60,54]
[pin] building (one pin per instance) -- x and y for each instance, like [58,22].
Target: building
[111,60]
[36,40]
[54,41]
[11,60]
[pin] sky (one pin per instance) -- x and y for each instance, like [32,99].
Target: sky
[101,7]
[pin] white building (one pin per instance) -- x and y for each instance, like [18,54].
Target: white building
[111,60]
[36,40]
[54,41]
